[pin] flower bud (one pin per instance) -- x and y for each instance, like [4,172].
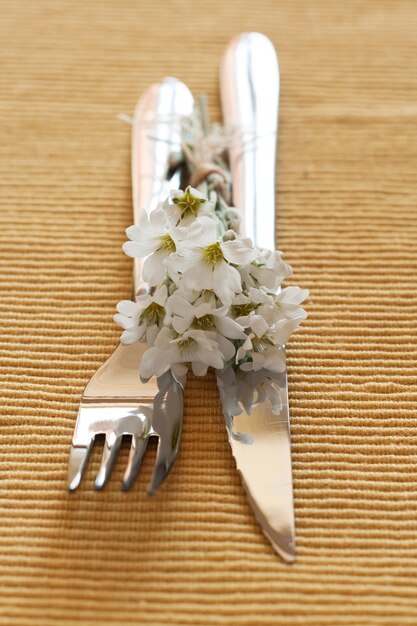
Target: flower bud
[229,235]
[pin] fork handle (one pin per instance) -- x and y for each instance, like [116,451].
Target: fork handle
[249,78]
[156,137]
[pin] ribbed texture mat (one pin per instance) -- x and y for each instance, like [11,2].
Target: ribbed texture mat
[347,192]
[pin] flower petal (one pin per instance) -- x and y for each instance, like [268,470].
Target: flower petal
[137,250]
[229,328]
[213,358]
[274,360]
[153,268]
[181,324]
[226,281]
[177,305]
[124,321]
[129,308]
[151,334]
[161,295]
[293,295]
[199,368]
[155,362]
[131,335]
[158,221]
[259,325]
[238,252]
[198,277]
[227,348]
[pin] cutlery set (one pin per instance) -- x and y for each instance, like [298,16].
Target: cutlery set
[115,402]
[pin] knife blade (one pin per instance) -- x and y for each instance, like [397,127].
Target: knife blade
[249,83]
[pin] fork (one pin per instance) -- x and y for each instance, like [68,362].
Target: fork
[115,403]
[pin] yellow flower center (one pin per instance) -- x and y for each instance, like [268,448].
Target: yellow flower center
[188,204]
[207,294]
[239,310]
[213,254]
[206,322]
[260,344]
[167,244]
[153,313]
[185,344]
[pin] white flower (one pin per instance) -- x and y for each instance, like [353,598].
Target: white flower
[142,319]
[183,207]
[266,270]
[271,306]
[152,239]
[267,385]
[255,387]
[256,349]
[282,330]
[271,359]
[197,347]
[288,301]
[262,348]
[203,316]
[245,303]
[256,323]
[244,390]
[206,261]
[284,305]
[198,297]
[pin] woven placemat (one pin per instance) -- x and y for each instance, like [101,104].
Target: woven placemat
[347,193]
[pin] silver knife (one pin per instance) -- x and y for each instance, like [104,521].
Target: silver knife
[250,94]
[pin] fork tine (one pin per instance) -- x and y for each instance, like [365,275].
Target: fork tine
[166,454]
[137,451]
[167,424]
[161,469]
[110,450]
[76,464]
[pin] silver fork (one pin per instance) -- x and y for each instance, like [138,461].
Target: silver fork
[115,402]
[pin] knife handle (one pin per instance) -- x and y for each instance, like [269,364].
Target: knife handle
[156,137]
[249,81]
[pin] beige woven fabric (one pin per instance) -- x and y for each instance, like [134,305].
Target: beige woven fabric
[347,190]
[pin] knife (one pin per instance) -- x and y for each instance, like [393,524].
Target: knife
[249,81]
